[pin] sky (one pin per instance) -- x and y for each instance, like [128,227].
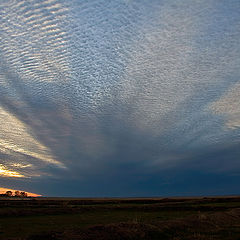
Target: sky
[4,190]
[120,98]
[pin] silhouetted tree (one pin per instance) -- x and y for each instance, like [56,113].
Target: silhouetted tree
[23,194]
[17,194]
[9,193]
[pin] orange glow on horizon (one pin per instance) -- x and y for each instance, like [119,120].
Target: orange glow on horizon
[7,173]
[3,190]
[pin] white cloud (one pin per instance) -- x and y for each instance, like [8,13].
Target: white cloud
[17,142]
[229,106]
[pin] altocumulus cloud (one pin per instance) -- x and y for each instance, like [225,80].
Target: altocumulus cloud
[120,97]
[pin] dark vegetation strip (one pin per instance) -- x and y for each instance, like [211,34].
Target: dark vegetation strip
[176,219]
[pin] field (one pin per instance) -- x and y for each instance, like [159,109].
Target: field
[208,218]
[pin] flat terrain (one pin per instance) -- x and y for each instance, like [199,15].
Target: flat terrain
[208,218]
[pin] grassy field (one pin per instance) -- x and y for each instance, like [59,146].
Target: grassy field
[151,218]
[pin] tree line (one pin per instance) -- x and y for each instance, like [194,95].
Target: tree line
[14,194]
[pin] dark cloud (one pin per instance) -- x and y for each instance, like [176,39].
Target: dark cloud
[120,98]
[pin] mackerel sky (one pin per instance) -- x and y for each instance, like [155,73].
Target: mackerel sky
[120,97]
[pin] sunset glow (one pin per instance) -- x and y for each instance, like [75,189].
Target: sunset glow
[3,190]
[8,173]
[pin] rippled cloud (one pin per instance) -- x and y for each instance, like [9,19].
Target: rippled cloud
[97,90]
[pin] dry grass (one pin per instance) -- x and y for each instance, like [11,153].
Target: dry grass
[211,226]
[123,219]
